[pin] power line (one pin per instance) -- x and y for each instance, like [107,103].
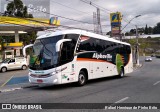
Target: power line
[42,23]
[61,17]
[74,9]
[95,5]
[104,9]
[69,7]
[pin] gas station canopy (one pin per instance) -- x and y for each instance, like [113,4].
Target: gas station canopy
[16,26]
[25,24]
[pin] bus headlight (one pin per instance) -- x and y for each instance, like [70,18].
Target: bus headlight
[53,73]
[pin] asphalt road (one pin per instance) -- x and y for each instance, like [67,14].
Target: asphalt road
[141,86]
[14,73]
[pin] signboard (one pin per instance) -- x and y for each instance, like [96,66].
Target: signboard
[115,17]
[54,21]
[38,8]
[18,44]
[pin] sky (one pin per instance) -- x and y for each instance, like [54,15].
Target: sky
[76,9]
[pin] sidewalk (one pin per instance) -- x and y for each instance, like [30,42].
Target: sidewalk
[14,87]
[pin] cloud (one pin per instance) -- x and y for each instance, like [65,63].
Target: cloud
[75,9]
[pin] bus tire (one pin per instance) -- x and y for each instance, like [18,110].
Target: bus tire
[121,74]
[3,69]
[82,79]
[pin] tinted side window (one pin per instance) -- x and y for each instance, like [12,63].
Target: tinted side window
[12,60]
[87,44]
[128,49]
[122,49]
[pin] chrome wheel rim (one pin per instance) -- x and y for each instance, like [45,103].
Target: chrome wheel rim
[3,69]
[24,67]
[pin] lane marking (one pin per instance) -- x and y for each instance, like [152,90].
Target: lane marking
[7,81]
[11,89]
[156,83]
[122,100]
[119,101]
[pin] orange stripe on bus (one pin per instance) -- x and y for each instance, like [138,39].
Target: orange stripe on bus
[88,59]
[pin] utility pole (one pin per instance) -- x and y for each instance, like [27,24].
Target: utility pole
[119,25]
[137,47]
[99,27]
[98,21]
[95,22]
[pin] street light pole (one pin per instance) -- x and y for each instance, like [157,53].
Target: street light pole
[130,21]
[137,47]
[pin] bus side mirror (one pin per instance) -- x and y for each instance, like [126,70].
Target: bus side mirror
[58,44]
[24,49]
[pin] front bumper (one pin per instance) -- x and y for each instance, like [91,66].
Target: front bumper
[48,80]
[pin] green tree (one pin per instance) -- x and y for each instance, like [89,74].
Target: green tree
[2,48]
[145,43]
[132,41]
[132,31]
[150,30]
[156,29]
[127,34]
[17,9]
[146,30]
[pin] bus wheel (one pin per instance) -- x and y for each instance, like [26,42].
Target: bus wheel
[3,69]
[121,74]
[82,78]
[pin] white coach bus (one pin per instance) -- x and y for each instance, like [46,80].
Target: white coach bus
[77,56]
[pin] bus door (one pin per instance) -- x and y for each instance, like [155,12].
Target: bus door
[67,55]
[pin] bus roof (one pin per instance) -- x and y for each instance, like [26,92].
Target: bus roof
[82,32]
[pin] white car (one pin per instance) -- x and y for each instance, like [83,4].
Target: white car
[148,58]
[14,63]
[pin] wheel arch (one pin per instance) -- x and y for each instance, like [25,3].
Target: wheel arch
[86,71]
[3,67]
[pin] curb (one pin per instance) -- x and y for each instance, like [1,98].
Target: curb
[13,87]
[138,66]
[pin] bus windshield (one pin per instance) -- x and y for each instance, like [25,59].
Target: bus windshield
[44,55]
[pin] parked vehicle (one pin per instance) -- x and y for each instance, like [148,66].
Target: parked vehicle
[13,63]
[157,56]
[148,58]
